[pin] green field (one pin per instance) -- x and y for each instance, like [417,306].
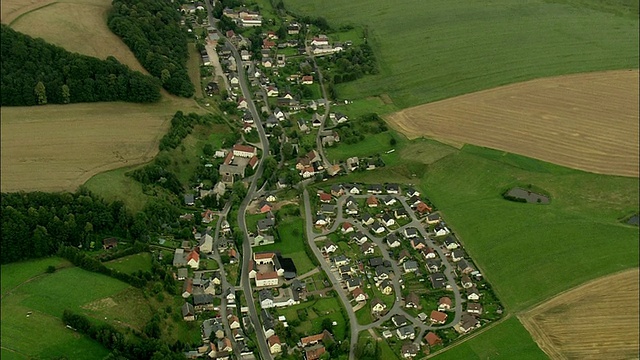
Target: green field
[507,340]
[429,50]
[131,263]
[292,237]
[47,295]
[113,185]
[317,311]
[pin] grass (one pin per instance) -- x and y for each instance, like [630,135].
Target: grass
[47,295]
[193,65]
[371,145]
[291,243]
[131,263]
[364,315]
[430,50]
[318,310]
[506,340]
[113,185]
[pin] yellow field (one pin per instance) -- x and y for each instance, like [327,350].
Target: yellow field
[59,147]
[77,25]
[584,121]
[598,320]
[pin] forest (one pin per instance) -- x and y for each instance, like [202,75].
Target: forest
[34,72]
[152,30]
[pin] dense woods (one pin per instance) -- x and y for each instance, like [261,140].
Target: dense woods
[35,72]
[153,32]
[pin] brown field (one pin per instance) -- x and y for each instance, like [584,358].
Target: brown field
[598,320]
[77,25]
[584,121]
[59,147]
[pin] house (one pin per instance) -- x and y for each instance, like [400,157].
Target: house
[438,280]
[399,320]
[433,265]
[418,244]
[382,272]
[400,213]
[387,334]
[269,278]
[347,228]
[410,266]
[328,209]
[388,220]
[372,201]
[444,304]
[386,287]
[278,114]
[268,326]
[403,256]
[275,346]
[341,118]
[473,294]
[412,301]
[242,103]
[377,306]
[464,267]
[188,312]
[375,189]
[359,295]
[428,253]
[353,283]
[281,60]
[441,230]
[187,288]
[337,190]
[433,218]
[409,350]
[315,339]
[410,232]
[422,208]
[314,353]
[411,192]
[367,219]
[182,274]
[432,339]
[406,332]
[307,80]
[438,317]
[329,247]
[282,183]
[316,120]
[272,92]
[354,189]
[367,248]
[266,298]
[392,241]
[392,188]
[450,243]
[340,260]
[466,282]
[264,207]
[203,302]
[193,259]
[467,323]
[359,238]
[321,221]
[308,172]
[206,244]
[189,199]
[377,227]
[267,62]
[109,243]
[224,345]
[457,255]
[303,125]
[352,164]
[325,197]
[244,151]
[389,200]
[474,308]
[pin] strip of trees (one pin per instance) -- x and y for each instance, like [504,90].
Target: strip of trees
[34,72]
[152,30]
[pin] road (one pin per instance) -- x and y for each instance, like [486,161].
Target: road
[251,192]
[397,271]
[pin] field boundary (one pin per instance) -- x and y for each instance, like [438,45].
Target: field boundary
[30,11]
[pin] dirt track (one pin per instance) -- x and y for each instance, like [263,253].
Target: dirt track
[598,320]
[584,121]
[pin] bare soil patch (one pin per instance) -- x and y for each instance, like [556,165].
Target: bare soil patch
[77,25]
[584,121]
[598,320]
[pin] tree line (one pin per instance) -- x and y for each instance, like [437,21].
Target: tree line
[34,72]
[152,30]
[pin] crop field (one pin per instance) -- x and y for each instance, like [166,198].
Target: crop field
[77,25]
[598,320]
[506,340]
[71,143]
[584,121]
[45,296]
[429,50]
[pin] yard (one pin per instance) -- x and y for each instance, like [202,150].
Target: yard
[131,263]
[314,312]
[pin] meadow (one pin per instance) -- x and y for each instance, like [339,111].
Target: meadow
[431,50]
[316,311]
[132,263]
[44,296]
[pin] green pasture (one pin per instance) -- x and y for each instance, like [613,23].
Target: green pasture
[429,50]
[113,185]
[132,263]
[316,311]
[506,340]
[18,273]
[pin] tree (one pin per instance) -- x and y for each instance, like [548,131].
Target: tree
[165,75]
[66,94]
[208,150]
[41,93]
[393,141]
[327,324]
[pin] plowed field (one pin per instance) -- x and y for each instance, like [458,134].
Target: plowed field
[598,320]
[585,121]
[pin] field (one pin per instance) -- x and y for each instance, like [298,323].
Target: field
[26,288]
[77,25]
[585,121]
[598,320]
[132,263]
[429,50]
[316,311]
[506,340]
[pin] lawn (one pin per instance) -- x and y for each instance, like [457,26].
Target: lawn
[506,340]
[317,310]
[371,145]
[291,243]
[193,65]
[431,50]
[131,263]
[47,295]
